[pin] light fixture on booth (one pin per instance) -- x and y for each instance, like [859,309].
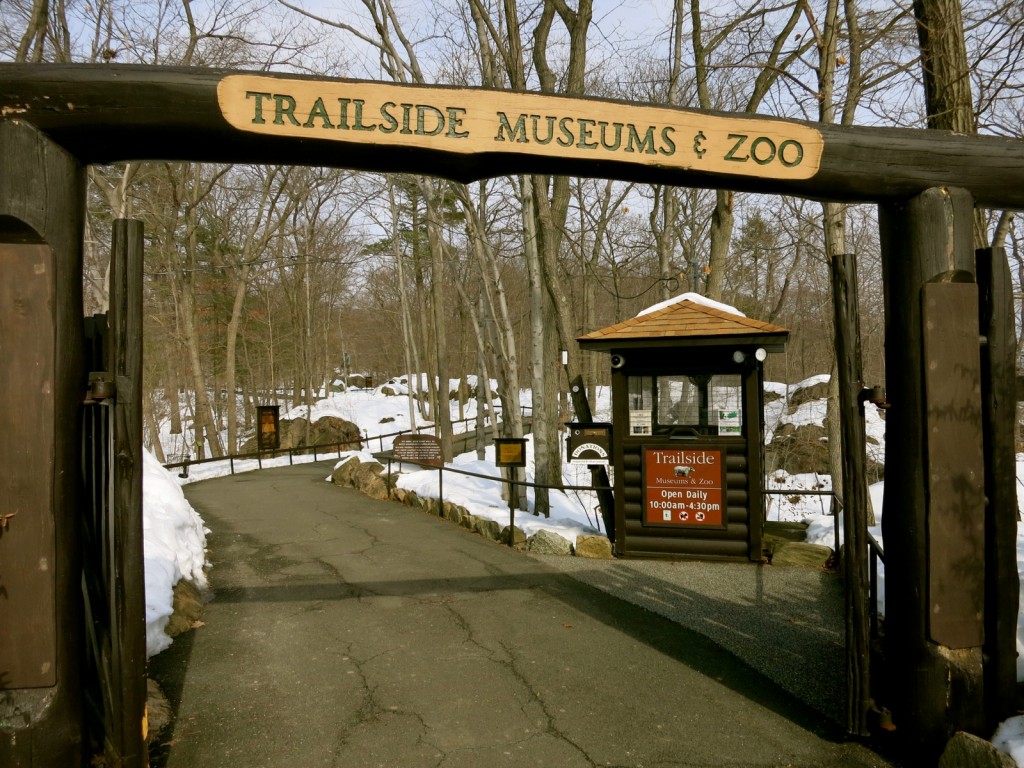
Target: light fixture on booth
[759,354]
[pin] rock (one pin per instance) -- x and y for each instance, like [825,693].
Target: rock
[489,529]
[519,540]
[469,522]
[453,512]
[292,433]
[345,473]
[331,430]
[775,531]
[158,710]
[548,543]
[400,495]
[800,553]
[967,751]
[800,449]
[816,391]
[375,486]
[188,609]
[594,546]
[412,499]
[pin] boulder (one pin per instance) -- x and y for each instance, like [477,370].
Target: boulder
[159,713]
[548,543]
[188,609]
[453,512]
[967,751]
[804,448]
[800,449]
[469,522]
[344,474]
[292,433]
[489,529]
[594,546]
[800,553]
[519,537]
[375,486]
[815,391]
[331,430]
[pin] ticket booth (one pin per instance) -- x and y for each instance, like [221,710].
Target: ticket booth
[688,429]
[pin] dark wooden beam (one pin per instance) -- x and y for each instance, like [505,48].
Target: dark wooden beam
[933,688]
[128,587]
[42,203]
[999,408]
[104,114]
[855,492]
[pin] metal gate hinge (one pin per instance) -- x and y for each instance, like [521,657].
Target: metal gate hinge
[101,387]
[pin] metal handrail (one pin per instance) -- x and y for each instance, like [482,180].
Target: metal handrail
[305,449]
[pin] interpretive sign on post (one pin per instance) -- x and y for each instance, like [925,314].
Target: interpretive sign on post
[510,452]
[457,120]
[268,436]
[419,449]
[683,487]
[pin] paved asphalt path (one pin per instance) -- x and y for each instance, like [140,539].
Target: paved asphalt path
[345,631]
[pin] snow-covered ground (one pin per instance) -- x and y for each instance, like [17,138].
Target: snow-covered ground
[175,536]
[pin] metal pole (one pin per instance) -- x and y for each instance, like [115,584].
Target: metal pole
[511,505]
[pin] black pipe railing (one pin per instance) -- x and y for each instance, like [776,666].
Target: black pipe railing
[184,461]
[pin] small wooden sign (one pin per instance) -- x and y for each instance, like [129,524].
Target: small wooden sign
[510,452]
[589,443]
[419,449]
[478,121]
[684,487]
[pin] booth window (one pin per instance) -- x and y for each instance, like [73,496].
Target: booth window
[696,404]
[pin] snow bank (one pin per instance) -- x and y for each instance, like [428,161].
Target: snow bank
[174,541]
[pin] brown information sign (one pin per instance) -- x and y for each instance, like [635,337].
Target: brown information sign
[420,449]
[683,487]
[475,121]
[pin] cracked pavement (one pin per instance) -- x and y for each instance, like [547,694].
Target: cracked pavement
[344,631]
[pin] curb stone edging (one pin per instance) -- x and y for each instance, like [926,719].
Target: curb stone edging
[371,479]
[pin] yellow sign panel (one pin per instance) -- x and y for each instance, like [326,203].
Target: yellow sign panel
[467,121]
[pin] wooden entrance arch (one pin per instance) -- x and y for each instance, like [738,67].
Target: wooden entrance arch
[950,518]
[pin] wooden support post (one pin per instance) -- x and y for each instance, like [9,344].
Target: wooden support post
[128,588]
[933,508]
[855,492]
[998,389]
[42,201]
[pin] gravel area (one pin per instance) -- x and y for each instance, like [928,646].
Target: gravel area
[785,622]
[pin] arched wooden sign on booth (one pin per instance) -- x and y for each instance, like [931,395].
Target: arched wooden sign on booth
[55,119]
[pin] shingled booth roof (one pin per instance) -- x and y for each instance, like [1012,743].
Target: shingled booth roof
[689,318]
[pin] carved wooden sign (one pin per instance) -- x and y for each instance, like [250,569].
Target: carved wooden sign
[473,122]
